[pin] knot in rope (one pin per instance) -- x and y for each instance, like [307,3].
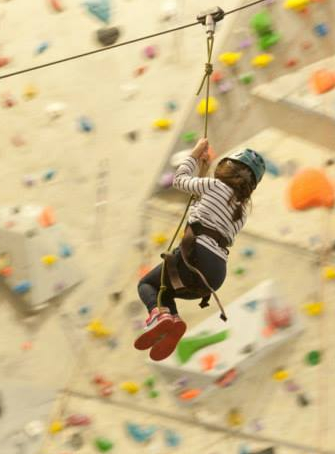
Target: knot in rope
[209,69]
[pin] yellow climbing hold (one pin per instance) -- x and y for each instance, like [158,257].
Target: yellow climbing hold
[280,375]
[262,60]
[315,308]
[159,239]
[213,106]
[230,58]
[56,426]
[329,272]
[30,92]
[49,259]
[235,418]
[297,5]
[130,386]
[162,123]
[97,328]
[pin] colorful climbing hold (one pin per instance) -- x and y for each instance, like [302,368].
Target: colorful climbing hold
[246,78]
[30,92]
[248,252]
[103,444]
[42,47]
[7,271]
[65,251]
[159,239]
[239,270]
[150,51]
[190,394]
[132,136]
[230,58]
[311,188]
[4,61]
[291,63]
[56,5]
[329,272]
[85,124]
[227,379]
[166,180]
[162,123]
[213,106]
[140,70]
[140,434]
[130,387]
[49,259]
[216,76]
[47,217]
[262,60]
[188,346]
[49,174]
[208,362]
[321,30]
[78,420]
[108,36]
[171,106]
[23,287]
[106,389]
[280,375]
[98,329]
[150,382]
[225,86]
[190,136]
[322,81]
[56,426]
[100,9]
[296,5]
[313,357]
[153,393]
[314,308]
[172,438]
[8,100]
[235,417]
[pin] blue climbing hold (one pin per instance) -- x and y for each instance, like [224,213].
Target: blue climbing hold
[49,174]
[23,287]
[85,124]
[42,47]
[140,434]
[172,439]
[251,305]
[65,251]
[248,252]
[321,29]
[100,9]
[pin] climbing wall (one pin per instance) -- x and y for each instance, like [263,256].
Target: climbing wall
[91,138]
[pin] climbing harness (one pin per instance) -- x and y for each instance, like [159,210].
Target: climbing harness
[209,19]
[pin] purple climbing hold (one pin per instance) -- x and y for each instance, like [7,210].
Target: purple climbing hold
[166,180]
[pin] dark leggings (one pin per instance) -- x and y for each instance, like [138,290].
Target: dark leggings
[211,265]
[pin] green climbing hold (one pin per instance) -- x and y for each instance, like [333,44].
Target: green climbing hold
[150,382]
[190,136]
[153,393]
[239,270]
[246,78]
[103,444]
[313,357]
[269,40]
[190,345]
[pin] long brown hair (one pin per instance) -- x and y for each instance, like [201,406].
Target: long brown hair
[240,178]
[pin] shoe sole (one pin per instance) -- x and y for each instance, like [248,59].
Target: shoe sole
[165,347]
[149,338]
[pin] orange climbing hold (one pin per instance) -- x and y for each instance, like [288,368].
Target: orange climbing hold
[7,271]
[311,188]
[208,362]
[190,394]
[322,81]
[47,217]
[56,5]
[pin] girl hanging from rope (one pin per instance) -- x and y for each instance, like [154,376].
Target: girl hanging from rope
[217,215]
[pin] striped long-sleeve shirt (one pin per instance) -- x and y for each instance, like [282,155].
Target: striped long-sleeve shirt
[213,209]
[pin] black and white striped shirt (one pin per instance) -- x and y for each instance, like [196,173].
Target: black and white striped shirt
[213,209]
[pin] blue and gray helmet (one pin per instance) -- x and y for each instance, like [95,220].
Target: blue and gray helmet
[251,159]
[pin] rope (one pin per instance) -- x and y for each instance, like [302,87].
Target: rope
[206,78]
[125,43]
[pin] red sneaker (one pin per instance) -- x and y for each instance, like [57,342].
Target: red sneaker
[164,347]
[158,323]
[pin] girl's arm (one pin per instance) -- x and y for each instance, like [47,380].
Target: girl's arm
[185,180]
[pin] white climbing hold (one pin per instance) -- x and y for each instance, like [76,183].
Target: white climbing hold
[55,110]
[179,157]
[129,91]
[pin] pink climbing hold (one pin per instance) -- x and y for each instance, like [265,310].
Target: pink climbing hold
[8,100]
[4,61]
[78,420]
[150,51]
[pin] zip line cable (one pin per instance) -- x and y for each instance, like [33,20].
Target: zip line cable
[125,43]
